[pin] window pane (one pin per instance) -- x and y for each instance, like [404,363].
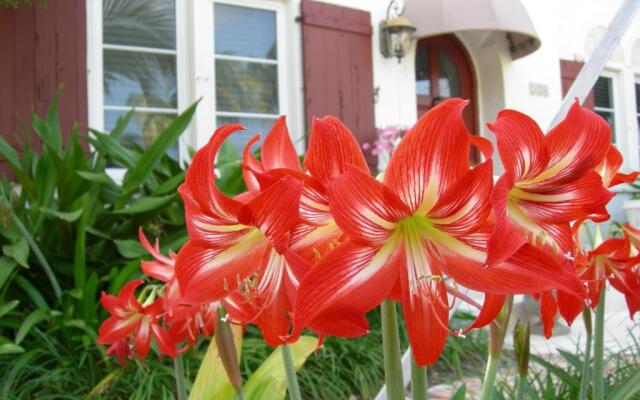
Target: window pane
[603,93]
[253,125]
[139,79]
[147,23]
[609,117]
[143,129]
[638,97]
[423,85]
[246,87]
[449,81]
[243,31]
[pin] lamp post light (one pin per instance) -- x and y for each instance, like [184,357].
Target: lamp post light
[395,32]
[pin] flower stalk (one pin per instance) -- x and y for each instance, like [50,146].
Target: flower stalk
[586,364]
[290,369]
[497,333]
[418,381]
[391,350]
[178,372]
[521,335]
[598,350]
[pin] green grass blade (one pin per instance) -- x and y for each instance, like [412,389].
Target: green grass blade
[626,389]
[32,319]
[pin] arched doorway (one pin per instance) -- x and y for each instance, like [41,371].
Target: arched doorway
[443,70]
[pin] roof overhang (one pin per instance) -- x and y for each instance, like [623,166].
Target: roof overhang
[439,17]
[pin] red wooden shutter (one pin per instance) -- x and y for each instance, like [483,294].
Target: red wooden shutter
[338,66]
[568,72]
[42,47]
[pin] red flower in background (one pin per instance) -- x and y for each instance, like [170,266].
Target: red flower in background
[430,218]
[133,325]
[549,180]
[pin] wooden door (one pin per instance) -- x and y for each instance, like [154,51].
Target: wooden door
[443,70]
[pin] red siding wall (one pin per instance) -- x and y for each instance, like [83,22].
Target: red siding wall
[42,48]
[338,66]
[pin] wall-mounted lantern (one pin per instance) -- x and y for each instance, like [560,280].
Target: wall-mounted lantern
[395,32]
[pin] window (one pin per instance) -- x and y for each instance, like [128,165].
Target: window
[637,87]
[139,67]
[246,68]
[160,56]
[603,101]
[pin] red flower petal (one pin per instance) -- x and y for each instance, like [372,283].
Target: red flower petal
[426,315]
[206,275]
[201,179]
[569,306]
[250,165]
[273,320]
[506,238]
[520,144]
[114,329]
[578,144]
[278,150]
[430,157]
[566,203]
[331,148]
[275,211]
[348,280]
[364,209]
[490,309]
[483,144]
[207,229]
[465,206]
[347,325]
[164,341]
[548,312]
[142,339]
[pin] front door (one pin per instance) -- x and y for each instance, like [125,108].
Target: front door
[443,70]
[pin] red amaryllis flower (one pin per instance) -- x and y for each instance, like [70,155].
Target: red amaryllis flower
[186,321]
[331,148]
[549,180]
[242,244]
[132,324]
[429,218]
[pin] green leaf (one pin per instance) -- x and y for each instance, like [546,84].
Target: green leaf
[7,266]
[97,177]
[269,380]
[10,348]
[6,308]
[123,276]
[9,154]
[557,371]
[146,204]
[170,185]
[211,381]
[110,146]
[626,389]
[32,292]
[19,251]
[138,173]
[32,319]
[130,248]
[460,393]
[69,216]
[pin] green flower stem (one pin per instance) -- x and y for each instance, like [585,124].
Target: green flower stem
[290,369]
[520,385]
[586,364]
[418,381]
[391,351]
[598,350]
[178,372]
[490,376]
[497,332]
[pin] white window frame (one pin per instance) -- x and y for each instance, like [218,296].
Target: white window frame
[618,109]
[204,63]
[95,74]
[195,69]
